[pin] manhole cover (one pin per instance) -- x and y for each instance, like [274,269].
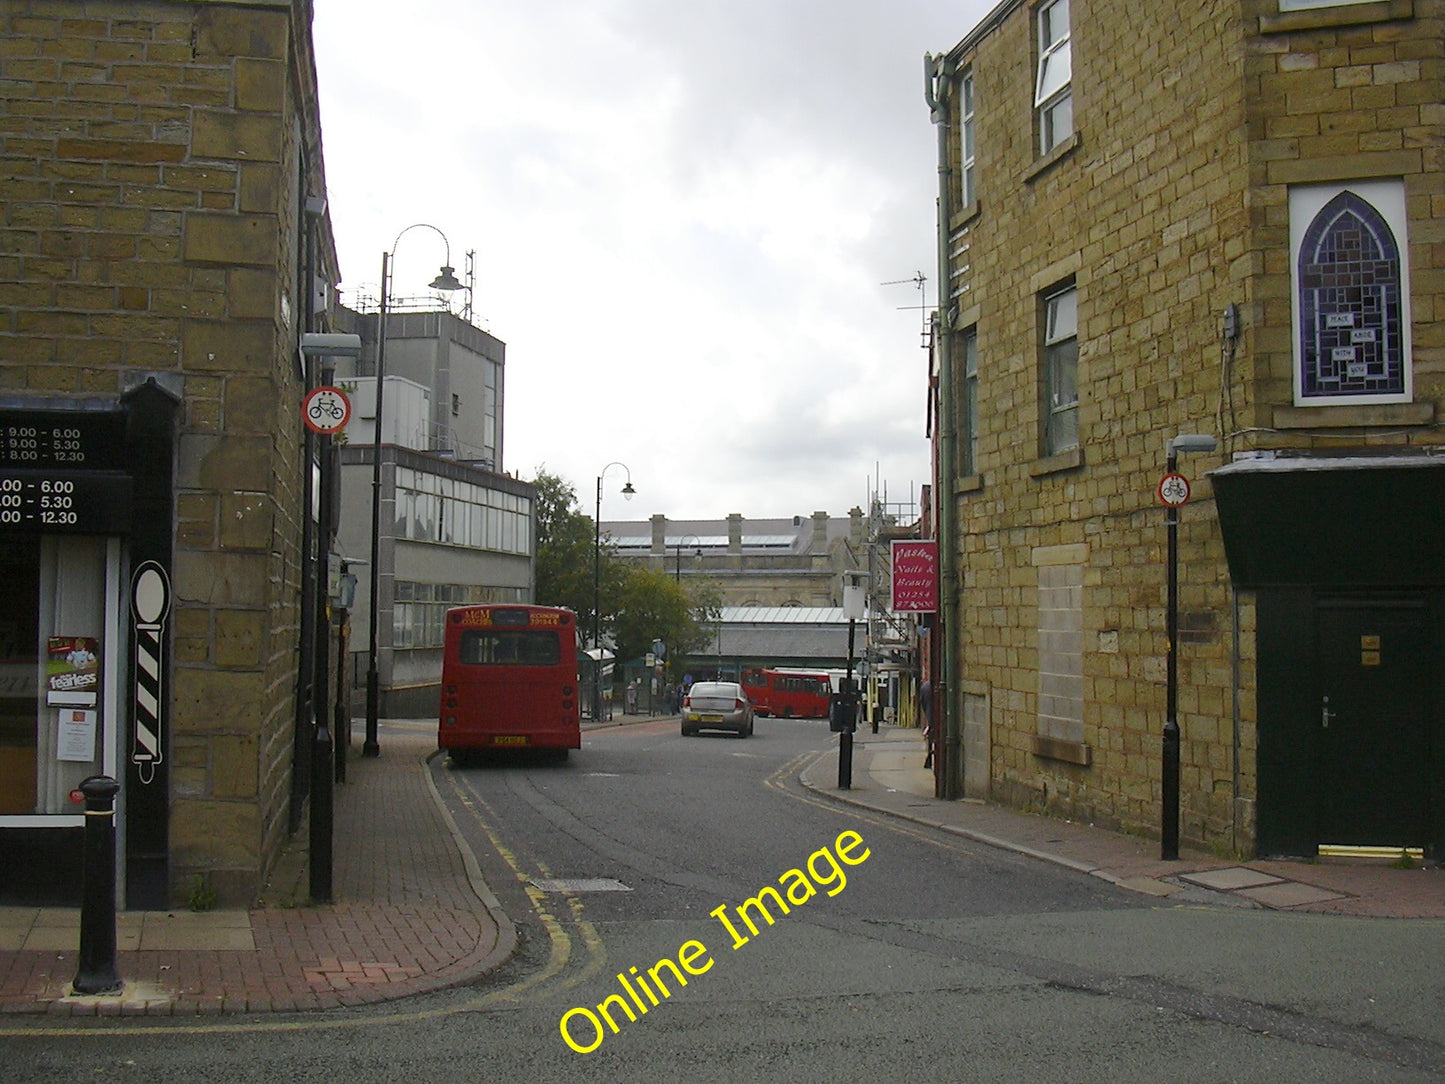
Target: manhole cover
[580,884]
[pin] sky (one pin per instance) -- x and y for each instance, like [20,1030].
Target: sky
[698,226]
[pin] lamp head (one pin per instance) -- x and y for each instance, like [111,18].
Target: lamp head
[628,491]
[446,281]
[1199,443]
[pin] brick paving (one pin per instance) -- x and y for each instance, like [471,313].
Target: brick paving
[407,919]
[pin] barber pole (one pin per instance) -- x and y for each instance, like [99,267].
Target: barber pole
[150,602]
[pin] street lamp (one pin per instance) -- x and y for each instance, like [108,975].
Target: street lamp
[447,282]
[677,553]
[1174,491]
[627,492]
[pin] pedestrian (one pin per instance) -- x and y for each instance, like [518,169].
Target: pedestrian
[925,710]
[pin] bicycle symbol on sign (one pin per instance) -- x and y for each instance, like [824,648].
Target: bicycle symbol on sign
[327,407]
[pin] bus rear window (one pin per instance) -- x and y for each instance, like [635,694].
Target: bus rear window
[509,647]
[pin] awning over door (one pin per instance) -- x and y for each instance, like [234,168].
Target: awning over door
[1350,521]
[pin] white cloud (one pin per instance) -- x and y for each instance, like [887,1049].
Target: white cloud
[682,213]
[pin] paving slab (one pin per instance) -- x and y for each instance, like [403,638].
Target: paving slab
[1228,880]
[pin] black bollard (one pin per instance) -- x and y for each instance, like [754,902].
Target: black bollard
[96,973]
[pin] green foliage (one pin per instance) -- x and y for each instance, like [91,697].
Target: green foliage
[203,895]
[651,605]
[565,538]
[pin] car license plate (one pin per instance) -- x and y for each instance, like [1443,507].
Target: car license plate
[711,718]
[510,739]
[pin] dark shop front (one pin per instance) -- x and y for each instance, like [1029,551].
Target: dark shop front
[85,559]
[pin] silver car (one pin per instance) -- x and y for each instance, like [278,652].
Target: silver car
[717,705]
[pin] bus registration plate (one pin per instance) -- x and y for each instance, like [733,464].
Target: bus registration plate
[510,739]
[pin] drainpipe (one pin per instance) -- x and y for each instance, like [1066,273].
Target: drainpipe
[937,76]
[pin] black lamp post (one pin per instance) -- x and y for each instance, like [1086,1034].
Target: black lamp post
[1173,491]
[446,281]
[677,553]
[627,492]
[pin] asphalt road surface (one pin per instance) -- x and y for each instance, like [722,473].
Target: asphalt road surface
[771,934]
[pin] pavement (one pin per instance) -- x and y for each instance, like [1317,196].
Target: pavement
[412,913]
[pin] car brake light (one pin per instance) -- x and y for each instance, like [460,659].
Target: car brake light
[739,704]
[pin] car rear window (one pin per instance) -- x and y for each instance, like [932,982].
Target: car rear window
[713,688]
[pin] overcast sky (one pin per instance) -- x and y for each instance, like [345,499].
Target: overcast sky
[684,213]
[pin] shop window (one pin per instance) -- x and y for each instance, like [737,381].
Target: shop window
[53,667]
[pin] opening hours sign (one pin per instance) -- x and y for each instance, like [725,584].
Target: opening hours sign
[915,576]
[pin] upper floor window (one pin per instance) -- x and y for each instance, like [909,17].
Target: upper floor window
[1053,89]
[1351,294]
[967,194]
[1061,371]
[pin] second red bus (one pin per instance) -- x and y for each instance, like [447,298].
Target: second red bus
[789,693]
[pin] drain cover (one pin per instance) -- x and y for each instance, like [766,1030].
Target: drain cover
[580,884]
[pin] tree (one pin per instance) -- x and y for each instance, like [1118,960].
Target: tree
[653,606]
[564,549]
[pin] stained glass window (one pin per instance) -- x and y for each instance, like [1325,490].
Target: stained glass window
[1351,318]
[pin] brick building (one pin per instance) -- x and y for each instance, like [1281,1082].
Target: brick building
[1206,218]
[165,236]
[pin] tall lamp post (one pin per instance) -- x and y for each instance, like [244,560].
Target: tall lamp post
[627,492]
[677,553]
[447,282]
[1174,492]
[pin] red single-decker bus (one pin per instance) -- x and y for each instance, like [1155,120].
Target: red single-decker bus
[789,693]
[509,680]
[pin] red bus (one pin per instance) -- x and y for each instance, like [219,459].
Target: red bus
[509,680]
[801,693]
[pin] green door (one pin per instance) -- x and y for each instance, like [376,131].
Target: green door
[1372,658]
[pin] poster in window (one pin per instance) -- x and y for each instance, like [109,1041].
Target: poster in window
[72,670]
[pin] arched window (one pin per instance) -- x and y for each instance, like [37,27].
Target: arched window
[1351,315]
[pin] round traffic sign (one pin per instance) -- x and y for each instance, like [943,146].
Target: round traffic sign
[326,410]
[1173,490]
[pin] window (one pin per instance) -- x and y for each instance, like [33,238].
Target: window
[1053,91]
[1301,5]
[1061,371]
[1061,652]
[967,194]
[1351,294]
[968,405]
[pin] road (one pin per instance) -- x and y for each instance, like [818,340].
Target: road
[887,951]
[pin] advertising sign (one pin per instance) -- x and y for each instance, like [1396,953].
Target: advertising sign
[915,576]
[72,670]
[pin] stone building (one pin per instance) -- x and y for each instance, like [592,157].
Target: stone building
[751,562]
[166,245]
[1216,220]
